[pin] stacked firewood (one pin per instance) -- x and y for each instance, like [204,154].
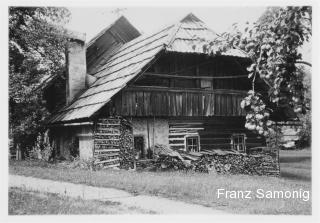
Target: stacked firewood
[113,143]
[238,163]
[215,161]
[127,151]
[166,159]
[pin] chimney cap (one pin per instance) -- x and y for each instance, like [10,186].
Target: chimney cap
[76,35]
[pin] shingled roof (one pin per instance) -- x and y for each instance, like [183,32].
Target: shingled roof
[131,59]
[108,41]
[191,35]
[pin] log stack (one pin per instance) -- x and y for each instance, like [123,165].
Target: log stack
[113,143]
[217,161]
[228,162]
[126,144]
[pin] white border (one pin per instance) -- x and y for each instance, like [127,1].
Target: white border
[164,218]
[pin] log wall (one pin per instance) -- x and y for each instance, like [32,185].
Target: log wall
[214,132]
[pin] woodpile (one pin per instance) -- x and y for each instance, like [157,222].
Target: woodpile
[127,151]
[216,161]
[166,158]
[113,143]
[230,162]
[170,163]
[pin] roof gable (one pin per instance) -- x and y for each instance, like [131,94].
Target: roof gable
[190,18]
[192,35]
[108,41]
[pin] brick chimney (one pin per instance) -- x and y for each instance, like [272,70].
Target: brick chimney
[76,66]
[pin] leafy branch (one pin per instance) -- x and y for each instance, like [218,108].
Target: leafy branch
[272,43]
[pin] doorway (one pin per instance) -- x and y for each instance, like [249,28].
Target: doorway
[139,146]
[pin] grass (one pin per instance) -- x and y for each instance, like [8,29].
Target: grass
[22,202]
[193,187]
[296,164]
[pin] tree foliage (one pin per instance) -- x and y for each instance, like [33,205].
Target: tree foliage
[273,44]
[36,51]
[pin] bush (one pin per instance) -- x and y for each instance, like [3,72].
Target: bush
[42,149]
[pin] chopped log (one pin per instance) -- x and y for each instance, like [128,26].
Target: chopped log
[196,154]
[190,157]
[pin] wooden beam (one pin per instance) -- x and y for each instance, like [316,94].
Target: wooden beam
[187,90]
[72,124]
[194,77]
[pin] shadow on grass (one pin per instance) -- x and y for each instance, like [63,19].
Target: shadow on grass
[294,159]
[295,176]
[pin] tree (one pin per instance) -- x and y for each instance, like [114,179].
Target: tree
[36,50]
[305,129]
[272,44]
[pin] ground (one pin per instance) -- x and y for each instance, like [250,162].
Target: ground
[195,187]
[296,165]
[24,202]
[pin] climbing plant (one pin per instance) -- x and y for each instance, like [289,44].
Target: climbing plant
[272,43]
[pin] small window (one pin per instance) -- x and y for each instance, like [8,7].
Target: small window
[238,142]
[192,143]
[206,84]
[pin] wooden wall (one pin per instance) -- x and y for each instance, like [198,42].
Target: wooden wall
[162,102]
[193,66]
[196,94]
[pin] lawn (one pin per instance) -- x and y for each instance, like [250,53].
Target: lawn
[296,164]
[194,187]
[23,202]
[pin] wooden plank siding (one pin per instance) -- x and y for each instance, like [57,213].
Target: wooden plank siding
[162,102]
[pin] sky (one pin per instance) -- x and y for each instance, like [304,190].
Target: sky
[91,20]
[146,19]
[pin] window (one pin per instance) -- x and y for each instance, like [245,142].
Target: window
[238,142]
[192,143]
[206,84]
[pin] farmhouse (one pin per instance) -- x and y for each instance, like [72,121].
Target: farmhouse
[123,93]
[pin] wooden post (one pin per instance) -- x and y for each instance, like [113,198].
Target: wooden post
[18,152]
[198,81]
[148,135]
[154,120]
[278,150]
